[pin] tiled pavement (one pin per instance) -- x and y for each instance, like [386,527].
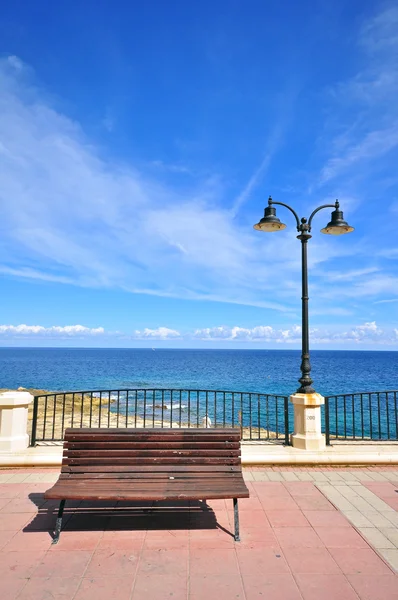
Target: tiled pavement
[306,534]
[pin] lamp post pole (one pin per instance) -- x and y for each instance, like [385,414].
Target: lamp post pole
[307,403]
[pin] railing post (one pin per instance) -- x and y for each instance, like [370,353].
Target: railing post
[34,420]
[286,411]
[327,422]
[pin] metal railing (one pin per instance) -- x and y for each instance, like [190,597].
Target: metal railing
[261,417]
[362,416]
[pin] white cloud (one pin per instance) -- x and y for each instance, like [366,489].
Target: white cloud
[161,333]
[67,330]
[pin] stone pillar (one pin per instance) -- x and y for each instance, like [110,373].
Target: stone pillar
[307,422]
[14,421]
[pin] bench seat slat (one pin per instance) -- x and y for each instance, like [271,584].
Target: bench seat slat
[161,445]
[158,453]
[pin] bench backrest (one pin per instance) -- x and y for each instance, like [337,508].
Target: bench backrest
[129,451]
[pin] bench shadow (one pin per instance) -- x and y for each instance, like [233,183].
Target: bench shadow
[123,516]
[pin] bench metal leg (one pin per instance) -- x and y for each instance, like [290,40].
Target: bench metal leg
[236,519]
[58,523]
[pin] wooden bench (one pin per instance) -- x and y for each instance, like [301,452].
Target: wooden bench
[149,465]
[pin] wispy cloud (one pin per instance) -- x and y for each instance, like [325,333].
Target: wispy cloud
[71,215]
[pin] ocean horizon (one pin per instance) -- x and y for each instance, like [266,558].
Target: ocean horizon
[247,370]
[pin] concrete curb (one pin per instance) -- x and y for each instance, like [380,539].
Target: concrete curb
[252,454]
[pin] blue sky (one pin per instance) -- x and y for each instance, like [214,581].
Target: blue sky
[139,143]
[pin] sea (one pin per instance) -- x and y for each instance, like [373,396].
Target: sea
[262,371]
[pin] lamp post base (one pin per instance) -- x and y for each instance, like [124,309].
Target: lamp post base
[307,422]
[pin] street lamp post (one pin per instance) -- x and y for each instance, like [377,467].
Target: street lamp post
[337,226]
[307,418]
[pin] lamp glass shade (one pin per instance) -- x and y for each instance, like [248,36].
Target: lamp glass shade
[270,221]
[337,225]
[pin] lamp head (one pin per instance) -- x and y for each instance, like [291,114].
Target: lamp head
[270,221]
[337,225]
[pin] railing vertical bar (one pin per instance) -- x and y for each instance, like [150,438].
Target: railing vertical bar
[259,415]
[144,408]
[153,407]
[353,416]
[207,406]
[286,411]
[162,425]
[73,409]
[337,418]
[109,408]
[91,408]
[379,414]
[362,422]
[45,417]
[388,416]
[55,406]
[327,424]
[396,415]
[81,410]
[267,414]
[345,416]
[180,409]
[63,416]
[215,409]
[100,410]
[233,408]
[118,408]
[189,408]
[276,421]
[370,417]
[135,407]
[223,422]
[250,416]
[34,421]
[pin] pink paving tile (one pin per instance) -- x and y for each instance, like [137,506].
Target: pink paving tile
[287,518]
[375,587]
[212,539]
[161,560]
[14,522]
[301,488]
[4,502]
[155,586]
[298,537]
[23,505]
[10,586]
[220,586]
[362,560]
[326,518]
[56,588]
[314,503]
[166,542]
[33,541]
[255,564]
[63,564]
[381,489]
[274,585]
[105,588]
[313,560]
[257,537]
[341,537]
[77,540]
[327,587]
[121,540]
[212,561]
[393,502]
[19,564]
[249,504]
[118,563]
[278,503]
[270,488]
[10,490]
[255,518]
[5,537]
